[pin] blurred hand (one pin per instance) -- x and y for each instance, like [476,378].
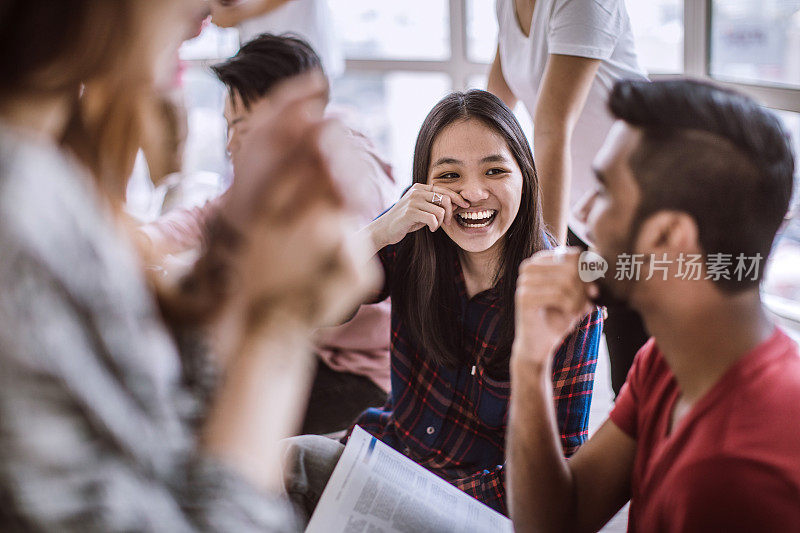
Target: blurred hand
[294,263]
[300,258]
[312,269]
[283,132]
[551,299]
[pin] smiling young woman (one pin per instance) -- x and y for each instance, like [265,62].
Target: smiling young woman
[450,250]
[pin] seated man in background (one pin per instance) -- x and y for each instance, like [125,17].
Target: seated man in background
[694,184]
[353,370]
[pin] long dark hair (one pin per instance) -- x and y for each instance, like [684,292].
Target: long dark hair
[424,291]
[90,46]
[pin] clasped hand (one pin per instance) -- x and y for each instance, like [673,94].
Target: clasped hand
[300,260]
[550,301]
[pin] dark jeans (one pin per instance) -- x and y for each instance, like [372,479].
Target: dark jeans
[337,398]
[624,331]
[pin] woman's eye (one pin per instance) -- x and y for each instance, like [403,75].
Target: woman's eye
[496,171]
[447,176]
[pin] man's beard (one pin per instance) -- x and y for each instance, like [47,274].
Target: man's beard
[611,293]
[607,296]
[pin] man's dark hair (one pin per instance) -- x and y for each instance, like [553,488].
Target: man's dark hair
[712,153]
[264,62]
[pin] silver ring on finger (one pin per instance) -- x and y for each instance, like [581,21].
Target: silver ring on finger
[437,198]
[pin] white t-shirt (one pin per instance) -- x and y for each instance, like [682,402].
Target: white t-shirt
[309,19]
[597,29]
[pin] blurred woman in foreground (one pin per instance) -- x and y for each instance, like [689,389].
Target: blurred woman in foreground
[107,421]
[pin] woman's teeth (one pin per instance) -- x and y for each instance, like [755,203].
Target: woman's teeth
[476,219]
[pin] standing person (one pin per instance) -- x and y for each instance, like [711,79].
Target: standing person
[310,19]
[561,58]
[106,424]
[704,434]
[450,249]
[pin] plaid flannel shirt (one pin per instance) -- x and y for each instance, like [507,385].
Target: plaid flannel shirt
[453,422]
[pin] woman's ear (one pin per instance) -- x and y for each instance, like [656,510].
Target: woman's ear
[668,232]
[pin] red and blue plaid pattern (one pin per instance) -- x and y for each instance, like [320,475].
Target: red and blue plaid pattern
[453,422]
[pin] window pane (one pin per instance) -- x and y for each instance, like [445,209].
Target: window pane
[783,275]
[756,40]
[658,31]
[389,108]
[212,43]
[523,117]
[204,98]
[478,82]
[412,29]
[481,31]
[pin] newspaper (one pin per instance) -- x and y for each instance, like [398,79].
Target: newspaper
[375,489]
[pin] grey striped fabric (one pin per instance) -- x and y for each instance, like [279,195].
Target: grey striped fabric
[95,407]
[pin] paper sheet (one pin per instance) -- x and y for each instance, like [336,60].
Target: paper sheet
[375,489]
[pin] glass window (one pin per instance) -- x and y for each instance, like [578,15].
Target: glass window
[412,29]
[389,108]
[658,30]
[523,117]
[481,30]
[205,167]
[782,281]
[756,41]
[204,97]
[212,43]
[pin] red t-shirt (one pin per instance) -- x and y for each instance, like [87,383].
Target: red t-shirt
[733,462]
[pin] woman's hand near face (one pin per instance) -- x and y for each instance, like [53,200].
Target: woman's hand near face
[422,205]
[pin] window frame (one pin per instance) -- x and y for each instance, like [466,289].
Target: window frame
[459,67]
[697,18]
[697,15]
